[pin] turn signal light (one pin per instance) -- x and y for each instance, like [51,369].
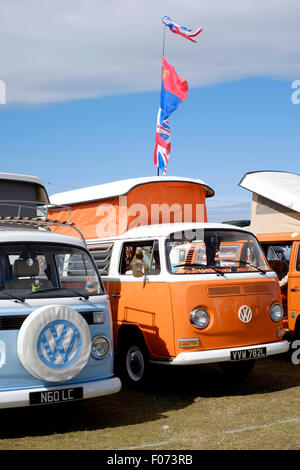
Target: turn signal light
[188,342]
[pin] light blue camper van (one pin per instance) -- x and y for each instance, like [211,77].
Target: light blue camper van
[55,321]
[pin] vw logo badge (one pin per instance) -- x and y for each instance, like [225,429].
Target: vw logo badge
[59,344]
[245,314]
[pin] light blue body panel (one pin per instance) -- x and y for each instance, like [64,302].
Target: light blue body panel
[13,376]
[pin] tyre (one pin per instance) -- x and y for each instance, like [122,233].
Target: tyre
[237,369]
[54,343]
[134,362]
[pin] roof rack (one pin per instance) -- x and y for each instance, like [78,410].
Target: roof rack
[40,222]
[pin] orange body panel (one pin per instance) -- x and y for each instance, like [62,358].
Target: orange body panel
[222,302]
[162,312]
[291,292]
[278,237]
[149,306]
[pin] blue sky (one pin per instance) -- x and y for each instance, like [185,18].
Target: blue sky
[74,125]
[219,133]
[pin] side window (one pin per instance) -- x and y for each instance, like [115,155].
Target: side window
[281,252]
[102,256]
[298,259]
[278,256]
[143,255]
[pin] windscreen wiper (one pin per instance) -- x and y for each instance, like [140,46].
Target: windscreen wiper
[262,271]
[197,265]
[84,295]
[11,296]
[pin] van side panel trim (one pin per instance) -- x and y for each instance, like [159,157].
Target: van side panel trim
[221,355]
[97,388]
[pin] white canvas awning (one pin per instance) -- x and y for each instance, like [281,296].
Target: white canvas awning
[275,201]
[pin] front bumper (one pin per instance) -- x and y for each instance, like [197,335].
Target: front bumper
[18,398]
[221,355]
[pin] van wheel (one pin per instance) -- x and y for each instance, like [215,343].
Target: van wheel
[237,369]
[134,363]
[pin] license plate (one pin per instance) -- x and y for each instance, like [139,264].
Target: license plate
[244,354]
[55,396]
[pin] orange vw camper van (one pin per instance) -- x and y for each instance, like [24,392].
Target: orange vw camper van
[275,219]
[182,292]
[283,254]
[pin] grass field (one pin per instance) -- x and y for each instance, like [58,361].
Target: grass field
[186,408]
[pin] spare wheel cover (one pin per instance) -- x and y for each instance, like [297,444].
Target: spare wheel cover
[54,343]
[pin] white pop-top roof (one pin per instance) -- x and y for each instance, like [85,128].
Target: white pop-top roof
[117,188]
[21,178]
[278,186]
[163,230]
[27,179]
[38,236]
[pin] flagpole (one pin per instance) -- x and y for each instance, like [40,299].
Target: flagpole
[163,54]
[162,137]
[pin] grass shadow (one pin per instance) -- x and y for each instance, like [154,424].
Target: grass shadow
[170,388]
[268,375]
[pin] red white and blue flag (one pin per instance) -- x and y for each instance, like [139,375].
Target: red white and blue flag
[174,91]
[162,144]
[181,30]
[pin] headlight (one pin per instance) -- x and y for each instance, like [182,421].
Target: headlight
[100,347]
[276,312]
[199,318]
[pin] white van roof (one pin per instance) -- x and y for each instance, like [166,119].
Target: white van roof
[41,194]
[163,230]
[117,188]
[38,236]
[18,177]
[278,186]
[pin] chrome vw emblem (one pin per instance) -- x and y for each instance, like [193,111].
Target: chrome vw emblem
[245,314]
[59,344]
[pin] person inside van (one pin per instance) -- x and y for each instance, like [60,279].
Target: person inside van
[91,284]
[139,266]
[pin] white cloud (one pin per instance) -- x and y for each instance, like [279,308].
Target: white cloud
[58,50]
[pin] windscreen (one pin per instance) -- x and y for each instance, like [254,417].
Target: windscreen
[209,251]
[47,270]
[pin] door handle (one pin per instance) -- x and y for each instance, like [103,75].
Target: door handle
[295,289]
[116,295]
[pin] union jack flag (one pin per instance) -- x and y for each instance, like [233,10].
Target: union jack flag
[162,148]
[181,30]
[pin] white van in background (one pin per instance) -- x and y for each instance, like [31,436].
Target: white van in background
[56,340]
